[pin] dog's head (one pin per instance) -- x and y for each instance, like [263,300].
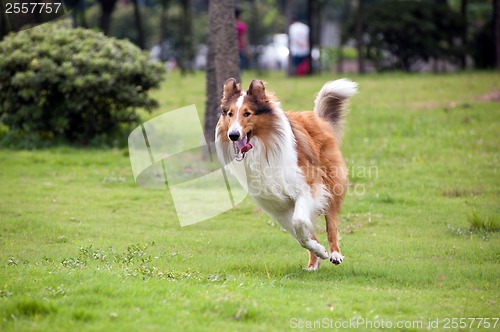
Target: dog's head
[244,115]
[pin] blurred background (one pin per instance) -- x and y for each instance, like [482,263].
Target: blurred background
[343,35]
[81,77]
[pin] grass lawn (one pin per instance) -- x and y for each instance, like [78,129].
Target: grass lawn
[83,248]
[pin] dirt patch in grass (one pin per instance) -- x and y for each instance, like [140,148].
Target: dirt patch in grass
[457,192]
[436,105]
[493,95]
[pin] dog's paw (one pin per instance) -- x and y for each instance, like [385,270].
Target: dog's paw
[336,258]
[322,254]
[315,266]
[311,268]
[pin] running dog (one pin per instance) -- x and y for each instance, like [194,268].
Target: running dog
[290,162]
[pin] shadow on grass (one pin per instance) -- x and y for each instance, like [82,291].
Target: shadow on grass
[383,276]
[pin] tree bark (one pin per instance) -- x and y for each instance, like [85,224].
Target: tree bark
[222,59]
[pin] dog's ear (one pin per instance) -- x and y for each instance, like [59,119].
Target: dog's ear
[231,88]
[257,89]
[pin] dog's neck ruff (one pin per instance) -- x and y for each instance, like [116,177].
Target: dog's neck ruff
[279,149]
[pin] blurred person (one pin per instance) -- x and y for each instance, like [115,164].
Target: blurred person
[242,39]
[298,34]
[155,53]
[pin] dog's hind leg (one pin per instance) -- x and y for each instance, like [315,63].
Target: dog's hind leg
[314,261]
[332,217]
[302,225]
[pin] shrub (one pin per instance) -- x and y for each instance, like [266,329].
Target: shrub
[75,85]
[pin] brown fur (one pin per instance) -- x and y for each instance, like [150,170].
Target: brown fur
[321,161]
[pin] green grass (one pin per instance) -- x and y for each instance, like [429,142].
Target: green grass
[84,248]
[480,223]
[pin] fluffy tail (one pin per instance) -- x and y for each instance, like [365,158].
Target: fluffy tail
[330,104]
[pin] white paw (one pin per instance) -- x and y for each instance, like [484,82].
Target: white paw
[316,265]
[336,258]
[322,254]
[317,249]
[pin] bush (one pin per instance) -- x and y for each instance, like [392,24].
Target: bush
[75,85]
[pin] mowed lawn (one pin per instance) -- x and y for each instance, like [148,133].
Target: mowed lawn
[83,248]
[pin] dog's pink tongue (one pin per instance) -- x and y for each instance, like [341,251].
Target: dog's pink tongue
[243,145]
[240,148]
[246,147]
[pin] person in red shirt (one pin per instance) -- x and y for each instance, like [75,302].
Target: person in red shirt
[242,39]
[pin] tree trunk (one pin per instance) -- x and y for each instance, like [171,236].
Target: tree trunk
[211,103]
[496,31]
[138,25]
[222,59]
[359,36]
[463,10]
[107,8]
[314,18]
[187,37]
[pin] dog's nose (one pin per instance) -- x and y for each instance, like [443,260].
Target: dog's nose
[234,135]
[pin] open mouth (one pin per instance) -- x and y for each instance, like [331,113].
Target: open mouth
[242,146]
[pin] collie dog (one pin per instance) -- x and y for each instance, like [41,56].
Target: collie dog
[289,162]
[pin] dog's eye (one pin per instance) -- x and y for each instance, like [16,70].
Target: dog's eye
[230,114]
[247,114]
[224,112]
